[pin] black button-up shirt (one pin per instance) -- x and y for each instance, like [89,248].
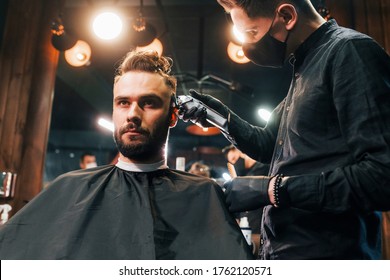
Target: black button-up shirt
[331,137]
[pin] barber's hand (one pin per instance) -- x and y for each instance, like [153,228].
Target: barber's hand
[199,116]
[247,193]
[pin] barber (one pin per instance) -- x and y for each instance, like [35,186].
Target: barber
[328,141]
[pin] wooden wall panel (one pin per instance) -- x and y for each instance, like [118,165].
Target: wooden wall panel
[375,25]
[19,80]
[369,17]
[372,18]
[385,18]
[28,65]
[360,12]
[340,11]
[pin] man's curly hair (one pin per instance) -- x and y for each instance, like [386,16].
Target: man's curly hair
[148,61]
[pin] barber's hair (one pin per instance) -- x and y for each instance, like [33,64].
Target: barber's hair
[148,61]
[199,168]
[265,8]
[83,155]
[227,149]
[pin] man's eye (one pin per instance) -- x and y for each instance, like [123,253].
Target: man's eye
[148,103]
[250,34]
[123,103]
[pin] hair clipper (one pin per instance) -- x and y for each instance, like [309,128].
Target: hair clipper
[187,102]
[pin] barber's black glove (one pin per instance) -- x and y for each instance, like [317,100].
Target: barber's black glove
[247,193]
[199,116]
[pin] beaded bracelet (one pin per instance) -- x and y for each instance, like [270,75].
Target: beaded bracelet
[280,192]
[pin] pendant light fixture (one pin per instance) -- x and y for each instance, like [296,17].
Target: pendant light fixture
[144,35]
[77,52]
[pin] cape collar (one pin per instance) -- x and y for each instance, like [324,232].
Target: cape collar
[138,167]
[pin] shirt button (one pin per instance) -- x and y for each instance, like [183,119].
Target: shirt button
[296,75]
[288,108]
[261,241]
[280,142]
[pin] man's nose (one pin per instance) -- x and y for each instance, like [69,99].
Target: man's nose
[134,111]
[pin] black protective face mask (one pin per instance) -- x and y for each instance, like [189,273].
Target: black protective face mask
[267,52]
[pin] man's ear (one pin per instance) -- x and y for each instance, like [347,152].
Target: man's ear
[174,118]
[288,14]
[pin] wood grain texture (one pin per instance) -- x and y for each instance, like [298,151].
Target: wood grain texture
[28,65]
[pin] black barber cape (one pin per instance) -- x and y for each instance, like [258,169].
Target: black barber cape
[109,213]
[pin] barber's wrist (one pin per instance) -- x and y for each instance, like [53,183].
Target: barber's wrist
[271,190]
[277,191]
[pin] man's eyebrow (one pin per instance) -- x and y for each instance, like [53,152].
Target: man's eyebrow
[119,97]
[141,96]
[151,94]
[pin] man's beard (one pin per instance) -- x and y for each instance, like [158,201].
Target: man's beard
[145,146]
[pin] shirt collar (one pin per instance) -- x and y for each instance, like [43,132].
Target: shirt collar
[139,167]
[312,40]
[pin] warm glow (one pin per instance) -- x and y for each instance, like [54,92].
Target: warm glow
[238,35]
[107,26]
[106,124]
[156,45]
[79,55]
[236,53]
[264,114]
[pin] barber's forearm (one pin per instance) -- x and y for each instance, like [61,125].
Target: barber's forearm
[256,142]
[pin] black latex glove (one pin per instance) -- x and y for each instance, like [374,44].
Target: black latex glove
[247,193]
[199,116]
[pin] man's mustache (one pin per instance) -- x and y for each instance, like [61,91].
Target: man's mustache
[132,127]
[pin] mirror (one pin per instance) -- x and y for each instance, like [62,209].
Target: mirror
[7,186]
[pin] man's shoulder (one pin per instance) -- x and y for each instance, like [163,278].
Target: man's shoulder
[343,35]
[192,186]
[84,173]
[192,179]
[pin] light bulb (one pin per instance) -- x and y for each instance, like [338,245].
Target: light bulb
[107,26]
[156,45]
[264,114]
[79,55]
[238,35]
[236,53]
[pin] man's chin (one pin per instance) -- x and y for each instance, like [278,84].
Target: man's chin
[131,150]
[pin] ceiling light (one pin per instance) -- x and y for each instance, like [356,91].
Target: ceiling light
[156,45]
[106,124]
[226,176]
[143,35]
[79,55]
[264,114]
[107,26]
[236,53]
[239,36]
[60,39]
[139,24]
[201,131]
